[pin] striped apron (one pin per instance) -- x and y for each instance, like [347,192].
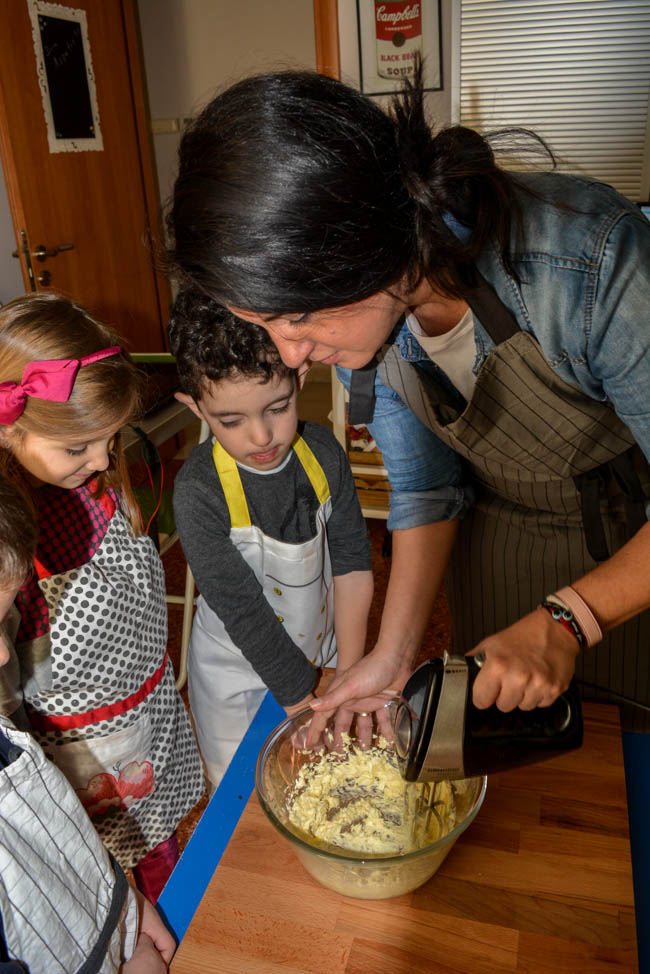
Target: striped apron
[560,485]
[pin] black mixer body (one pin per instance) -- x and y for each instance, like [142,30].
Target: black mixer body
[440,734]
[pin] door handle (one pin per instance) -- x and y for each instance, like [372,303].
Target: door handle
[42,253]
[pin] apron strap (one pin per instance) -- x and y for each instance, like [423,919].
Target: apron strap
[591,485]
[313,469]
[233,489]
[362,394]
[628,480]
[498,321]
[95,959]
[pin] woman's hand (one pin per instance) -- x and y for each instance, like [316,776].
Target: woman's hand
[297,708]
[343,718]
[155,945]
[367,685]
[527,665]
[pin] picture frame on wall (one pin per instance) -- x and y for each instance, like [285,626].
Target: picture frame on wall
[392,34]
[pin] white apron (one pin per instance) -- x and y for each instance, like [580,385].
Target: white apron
[63,907]
[225,691]
[98,685]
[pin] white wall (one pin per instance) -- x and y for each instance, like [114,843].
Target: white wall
[193,48]
[11,278]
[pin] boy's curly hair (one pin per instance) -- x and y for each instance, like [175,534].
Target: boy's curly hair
[211,343]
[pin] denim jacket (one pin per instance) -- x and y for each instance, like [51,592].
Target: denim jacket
[584,295]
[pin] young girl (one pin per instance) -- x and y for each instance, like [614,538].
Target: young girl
[65,905]
[97,685]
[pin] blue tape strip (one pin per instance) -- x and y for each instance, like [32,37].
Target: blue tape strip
[188,882]
[636,754]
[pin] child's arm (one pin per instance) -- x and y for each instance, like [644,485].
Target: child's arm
[352,598]
[155,945]
[347,540]
[231,589]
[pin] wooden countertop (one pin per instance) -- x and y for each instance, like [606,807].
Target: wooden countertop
[541,883]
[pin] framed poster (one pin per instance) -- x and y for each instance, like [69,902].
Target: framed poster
[392,34]
[65,77]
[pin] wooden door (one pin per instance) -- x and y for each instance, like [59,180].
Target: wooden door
[96,199]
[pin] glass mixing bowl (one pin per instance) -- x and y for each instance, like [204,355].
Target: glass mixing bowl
[349,873]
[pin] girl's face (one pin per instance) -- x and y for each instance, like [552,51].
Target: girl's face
[348,336]
[63,462]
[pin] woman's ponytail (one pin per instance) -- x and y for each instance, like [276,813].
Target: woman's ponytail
[454,174]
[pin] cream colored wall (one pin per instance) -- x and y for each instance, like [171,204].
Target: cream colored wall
[192,48]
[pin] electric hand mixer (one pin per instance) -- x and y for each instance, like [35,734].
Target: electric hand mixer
[440,734]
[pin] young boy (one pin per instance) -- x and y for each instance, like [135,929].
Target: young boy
[271,527]
[65,905]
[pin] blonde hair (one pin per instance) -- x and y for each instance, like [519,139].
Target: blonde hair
[106,393]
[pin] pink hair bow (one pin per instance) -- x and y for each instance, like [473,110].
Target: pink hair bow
[51,379]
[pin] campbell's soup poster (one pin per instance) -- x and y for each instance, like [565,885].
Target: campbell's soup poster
[392,35]
[398,29]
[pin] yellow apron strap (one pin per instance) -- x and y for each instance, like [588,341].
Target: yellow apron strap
[234,492]
[232,487]
[312,468]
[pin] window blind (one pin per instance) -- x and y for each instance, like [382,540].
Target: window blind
[576,72]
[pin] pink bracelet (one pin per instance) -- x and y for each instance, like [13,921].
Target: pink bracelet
[581,613]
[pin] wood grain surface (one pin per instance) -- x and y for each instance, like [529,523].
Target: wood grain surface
[540,882]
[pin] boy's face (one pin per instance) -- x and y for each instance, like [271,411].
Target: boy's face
[7,595]
[254,421]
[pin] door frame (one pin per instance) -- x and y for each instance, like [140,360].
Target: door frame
[326,30]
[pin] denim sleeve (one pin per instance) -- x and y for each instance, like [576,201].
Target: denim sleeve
[426,475]
[618,342]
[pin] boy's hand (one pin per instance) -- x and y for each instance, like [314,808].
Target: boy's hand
[152,925]
[155,945]
[145,959]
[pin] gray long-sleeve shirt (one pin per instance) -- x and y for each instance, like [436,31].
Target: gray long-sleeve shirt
[283,505]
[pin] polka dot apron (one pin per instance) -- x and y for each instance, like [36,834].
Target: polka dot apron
[98,686]
[225,690]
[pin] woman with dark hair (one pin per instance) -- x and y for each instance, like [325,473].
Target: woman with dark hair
[492,329]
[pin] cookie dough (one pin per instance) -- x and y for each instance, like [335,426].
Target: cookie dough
[357,800]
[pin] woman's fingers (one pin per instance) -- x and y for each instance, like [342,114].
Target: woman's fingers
[527,665]
[364,726]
